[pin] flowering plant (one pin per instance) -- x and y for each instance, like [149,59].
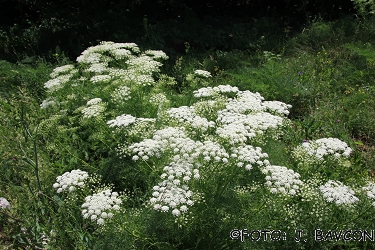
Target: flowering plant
[188,160]
[321,150]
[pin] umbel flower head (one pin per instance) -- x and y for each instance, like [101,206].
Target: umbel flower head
[319,150]
[338,193]
[69,181]
[4,203]
[370,191]
[215,136]
[282,180]
[100,206]
[94,107]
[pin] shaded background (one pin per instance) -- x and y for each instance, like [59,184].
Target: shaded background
[47,28]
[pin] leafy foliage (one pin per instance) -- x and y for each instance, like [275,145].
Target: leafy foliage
[148,132]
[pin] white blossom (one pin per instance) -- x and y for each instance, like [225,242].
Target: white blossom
[370,191]
[202,73]
[335,191]
[122,121]
[101,204]
[4,204]
[69,181]
[284,180]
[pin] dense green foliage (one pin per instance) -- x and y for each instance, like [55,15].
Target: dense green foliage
[60,114]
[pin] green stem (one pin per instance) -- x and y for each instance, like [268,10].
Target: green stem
[220,189]
[35,164]
[355,218]
[83,162]
[13,218]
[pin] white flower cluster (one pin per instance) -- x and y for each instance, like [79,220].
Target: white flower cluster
[94,101]
[139,70]
[247,156]
[202,73]
[95,108]
[121,94]
[135,77]
[121,54]
[57,82]
[97,68]
[95,54]
[246,102]
[282,180]
[4,204]
[237,120]
[100,78]
[143,65]
[335,191]
[99,207]
[235,133]
[173,196]
[238,128]
[157,54]
[211,91]
[185,114]
[122,121]
[47,103]
[315,151]
[69,181]
[370,191]
[62,69]
[157,145]
[211,150]
[170,193]
[144,127]
[158,99]
[277,107]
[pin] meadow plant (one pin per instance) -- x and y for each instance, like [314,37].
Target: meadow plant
[193,161]
[4,203]
[69,181]
[320,150]
[370,191]
[198,79]
[100,206]
[335,191]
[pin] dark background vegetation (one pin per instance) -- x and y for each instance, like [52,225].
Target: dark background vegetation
[47,28]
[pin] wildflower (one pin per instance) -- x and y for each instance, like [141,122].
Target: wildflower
[99,206]
[277,107]
[281,179]
[176,212]
[317,151]
[4,204]
[122,121]
[121,54]
[370,191]
[121,94]
[335,191]
[156,54]
[93,110]
[70,180]
[97,68]
[158,99]
[47,103]
[202,73]
[94,101]
[62,69]
[164,208]
[100,78]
